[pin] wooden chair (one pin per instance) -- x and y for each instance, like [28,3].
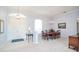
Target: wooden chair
[44,35]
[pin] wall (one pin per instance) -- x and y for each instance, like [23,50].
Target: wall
[45,24]
[18,28]
[70,19]
[3,16]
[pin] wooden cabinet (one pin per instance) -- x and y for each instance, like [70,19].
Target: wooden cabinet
[74,42]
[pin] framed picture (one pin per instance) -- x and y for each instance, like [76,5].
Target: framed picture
[1,26]
[62,25]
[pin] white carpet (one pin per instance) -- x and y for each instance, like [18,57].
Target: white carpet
[57,45]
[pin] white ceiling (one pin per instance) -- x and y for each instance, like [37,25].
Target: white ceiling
[47,11]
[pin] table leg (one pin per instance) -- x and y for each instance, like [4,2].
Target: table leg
[32,38]
[28,39]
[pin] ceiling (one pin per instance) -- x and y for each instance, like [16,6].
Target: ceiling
[47,11]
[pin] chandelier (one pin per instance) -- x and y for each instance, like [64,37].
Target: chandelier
[18,15]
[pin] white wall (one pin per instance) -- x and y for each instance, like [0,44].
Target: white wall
[46,25]
[19,28]
[3,16]
[70,19]
[16,28]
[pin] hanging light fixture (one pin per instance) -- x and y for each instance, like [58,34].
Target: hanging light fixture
[17,15]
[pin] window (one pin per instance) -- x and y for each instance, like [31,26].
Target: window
[38,25]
